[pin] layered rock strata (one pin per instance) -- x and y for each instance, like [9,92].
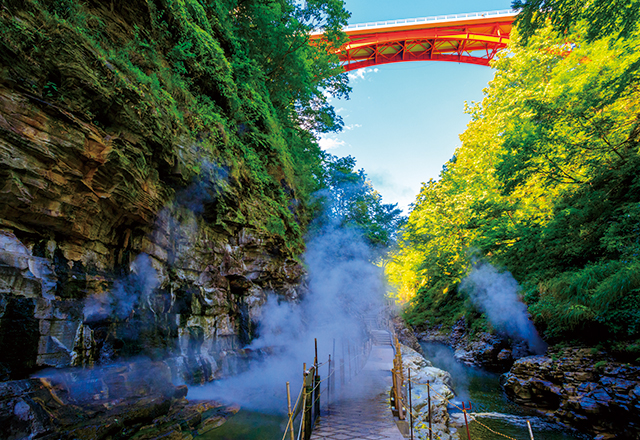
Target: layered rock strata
[581,388]
[99,260]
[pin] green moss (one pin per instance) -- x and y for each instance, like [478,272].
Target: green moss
[175,75]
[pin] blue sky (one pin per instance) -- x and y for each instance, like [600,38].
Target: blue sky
[403,120]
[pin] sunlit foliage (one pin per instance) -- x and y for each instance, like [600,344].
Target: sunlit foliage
[230,82]
[545,185]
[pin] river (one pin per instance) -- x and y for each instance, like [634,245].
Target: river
[490,404]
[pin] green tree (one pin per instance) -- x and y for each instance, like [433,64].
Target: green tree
[603,18]
[350,200]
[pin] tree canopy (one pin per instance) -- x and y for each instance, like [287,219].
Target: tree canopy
[545,185]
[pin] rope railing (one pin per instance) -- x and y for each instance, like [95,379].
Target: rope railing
[399,389]
[308,403]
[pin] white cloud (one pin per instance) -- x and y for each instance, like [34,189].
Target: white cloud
[360,73]
[352,126]
[330,143]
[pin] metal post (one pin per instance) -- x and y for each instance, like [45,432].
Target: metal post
[429,403]
[290,412]
[333,353]
[530,430]
[410,406]
[349,357]
[464,411]
[330,377]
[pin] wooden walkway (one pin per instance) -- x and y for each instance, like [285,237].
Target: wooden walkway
[362,411]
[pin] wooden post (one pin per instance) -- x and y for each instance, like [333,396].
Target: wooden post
[394,388]
[308,391]
[400,398]
[410,406]
[315,359]
[466,422]
[316,397]
[530,430]
[290,412]
[341,374]
[429,403]
[303,418]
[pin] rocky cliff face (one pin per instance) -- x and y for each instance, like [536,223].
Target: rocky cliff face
[74,216]
[148,199]
[581,388]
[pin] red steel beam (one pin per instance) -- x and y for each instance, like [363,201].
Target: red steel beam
[472,40]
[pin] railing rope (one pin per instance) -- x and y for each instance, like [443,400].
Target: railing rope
[465,412]
[310,397]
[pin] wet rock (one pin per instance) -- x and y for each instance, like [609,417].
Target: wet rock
[121,401]
[581,388]
[441,385]
[405,334]
[482,349]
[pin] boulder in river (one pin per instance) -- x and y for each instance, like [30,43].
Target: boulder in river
[581,388]
[121,401]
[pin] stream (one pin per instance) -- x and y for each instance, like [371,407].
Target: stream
[490,404]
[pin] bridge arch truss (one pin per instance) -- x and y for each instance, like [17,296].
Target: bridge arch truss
[467,38]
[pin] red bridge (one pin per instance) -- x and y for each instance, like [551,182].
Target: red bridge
[465,38]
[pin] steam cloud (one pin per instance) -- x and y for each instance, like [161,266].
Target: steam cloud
[496,294]
[345,289]
[125,294]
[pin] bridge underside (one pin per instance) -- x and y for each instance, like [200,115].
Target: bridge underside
[466,42]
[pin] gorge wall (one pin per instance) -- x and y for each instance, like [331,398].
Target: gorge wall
[73,222]
[148,198]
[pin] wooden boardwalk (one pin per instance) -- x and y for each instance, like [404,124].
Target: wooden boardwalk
[362,411]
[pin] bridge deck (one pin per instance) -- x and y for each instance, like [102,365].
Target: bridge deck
[362,412]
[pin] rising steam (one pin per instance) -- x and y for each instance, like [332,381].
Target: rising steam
[496,294]
[345,289]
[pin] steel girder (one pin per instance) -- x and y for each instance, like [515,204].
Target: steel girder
[472,41]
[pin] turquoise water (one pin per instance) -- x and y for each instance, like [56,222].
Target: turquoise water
[490,403]
[248,425]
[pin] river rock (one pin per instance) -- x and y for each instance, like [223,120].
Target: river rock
[581,388]
[441,393]
[120,401]
[493,352]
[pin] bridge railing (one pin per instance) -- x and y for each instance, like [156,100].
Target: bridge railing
[434,19]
